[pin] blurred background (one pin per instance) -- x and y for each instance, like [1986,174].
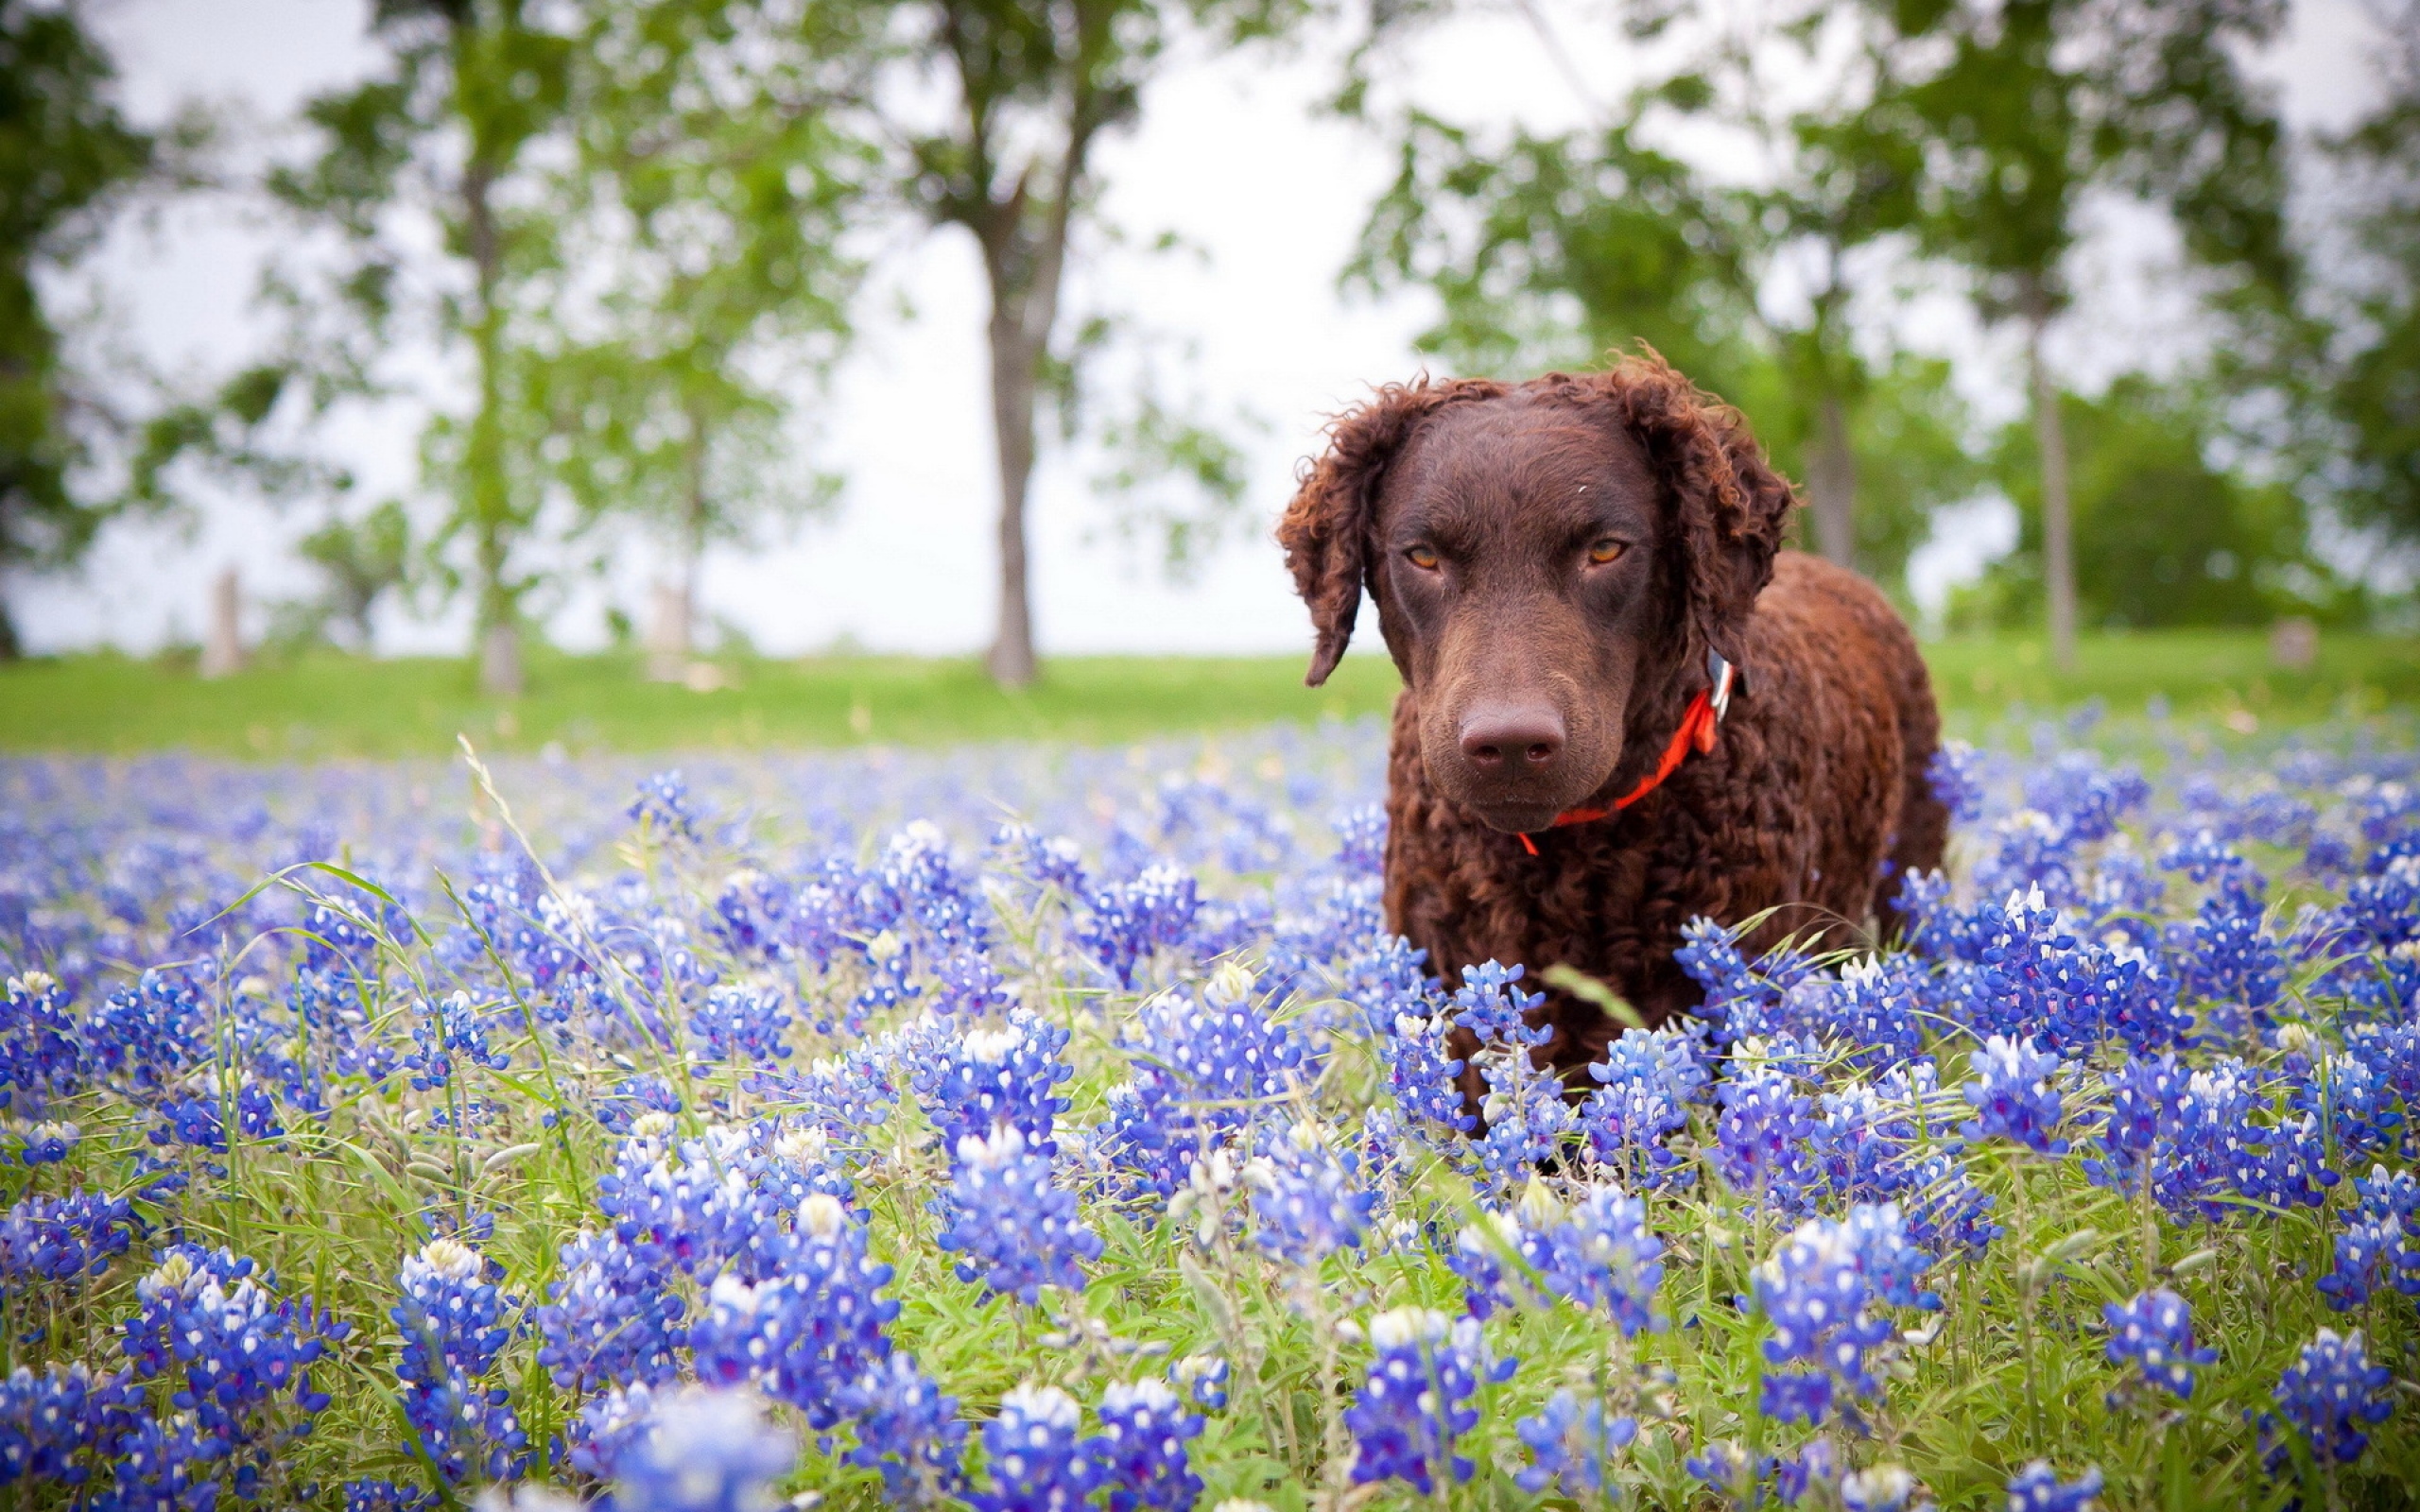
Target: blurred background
[754,370]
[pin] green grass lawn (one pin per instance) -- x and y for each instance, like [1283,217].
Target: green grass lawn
[332,705]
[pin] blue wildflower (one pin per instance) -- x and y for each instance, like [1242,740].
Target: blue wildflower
[2332,1396]
[2014,1095]
[2381,1242]
[2155,1330]
[452,1319]
[1826,1294]
[1039,1459]
[909,1430]
[1306,1202]
[1016,1232]
[1572,1445]
[705,1450]
[1413,1405]
[2038,1488]
[1140,1451]
[806,1335]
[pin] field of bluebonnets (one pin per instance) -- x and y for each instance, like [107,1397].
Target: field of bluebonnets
[1034,1127]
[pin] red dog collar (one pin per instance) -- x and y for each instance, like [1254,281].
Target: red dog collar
[1698,725]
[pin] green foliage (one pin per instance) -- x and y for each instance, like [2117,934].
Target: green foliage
[360,562]
[2034,103]
[2365,356]
[65,158]
[1556,250]
[718,150]
[2173,539]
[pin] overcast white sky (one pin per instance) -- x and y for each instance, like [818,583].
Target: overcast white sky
[1232,156]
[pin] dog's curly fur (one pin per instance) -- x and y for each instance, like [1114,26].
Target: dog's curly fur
[1813,801]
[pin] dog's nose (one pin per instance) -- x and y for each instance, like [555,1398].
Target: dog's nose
[1499,738]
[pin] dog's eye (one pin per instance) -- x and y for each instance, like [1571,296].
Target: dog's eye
[1606,551]
[1424,557]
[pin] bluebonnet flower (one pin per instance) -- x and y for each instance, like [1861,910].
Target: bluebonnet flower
[442,1030]
[42,1049]
[909,1430]
[1039,1459]
[2038,1488]
[1526,1116]
[1412,1408]
[1361,838]
[633,1096]
[229,1347]
[1423,1072]
[2332,1396]
[151,1034]
[1202,1066]
[51,1424]
[374,1495]
[2380,1241]
[1203,1378]
[1596,1254]
[1040,861]
[947,910]
[807,1336]
[662,805]
[1825,1292]
[608,1428]
[1127,921]
[705,1450]
[1572,1445]
[2155,1330]
[1306,1202]
[742,1023]
[1016,1232]
[1739,997]
[982,1079]
[1724,1467]
[452,1319]
[965,983]
[1877,1488]
[2194,1135]
[1140,1451]
[2014,1095]
[1645,1086]
[60,1239]
[2353,1101]
[1955,776]
[1760,1136]
[168,1467]
[611,1316]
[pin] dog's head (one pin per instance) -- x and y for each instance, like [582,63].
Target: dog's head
[1542,554]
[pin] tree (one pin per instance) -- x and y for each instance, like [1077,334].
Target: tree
[448,133]
[2175,540]
[719,177]
[67,158]
[2365,361]
[1556,248]
[1035,85]
[2033,106]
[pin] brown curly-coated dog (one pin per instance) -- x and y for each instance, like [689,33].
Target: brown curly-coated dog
[1553,561]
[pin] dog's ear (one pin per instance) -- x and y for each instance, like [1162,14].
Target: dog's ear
[1327,529]
[1729,508]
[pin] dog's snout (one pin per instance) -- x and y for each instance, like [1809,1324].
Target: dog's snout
[1512,738]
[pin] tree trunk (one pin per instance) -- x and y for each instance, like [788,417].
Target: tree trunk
[2057,545]
[1014,381]
[499,620]
[1831,484]
[11,648]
